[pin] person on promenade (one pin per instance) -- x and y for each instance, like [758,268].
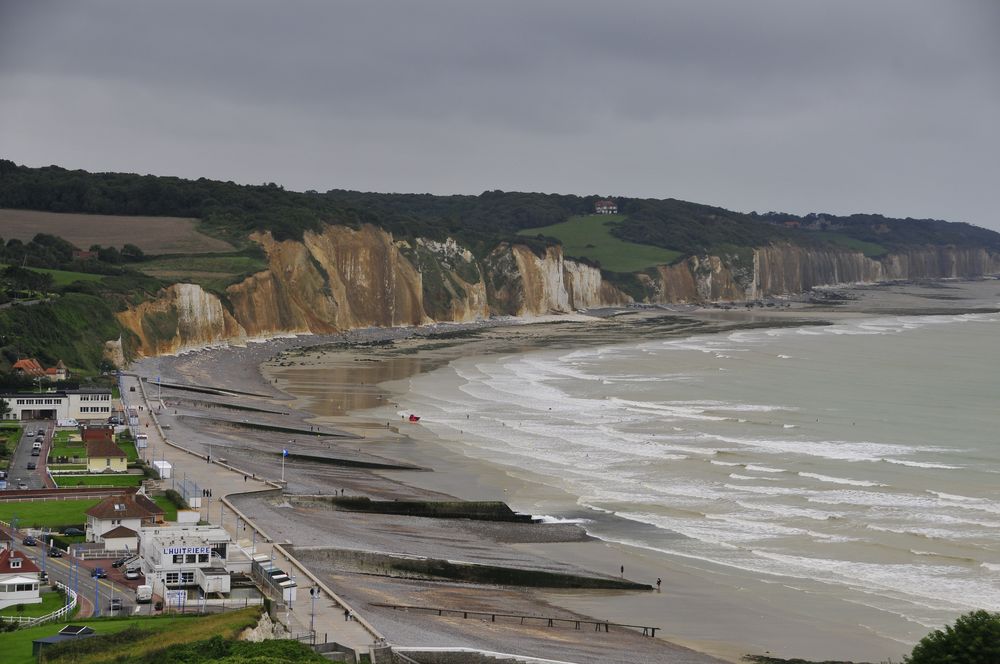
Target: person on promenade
[659,581]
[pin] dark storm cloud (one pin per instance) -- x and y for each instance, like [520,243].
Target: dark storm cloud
[838,106]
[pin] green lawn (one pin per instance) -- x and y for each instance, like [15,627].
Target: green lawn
[98,480]
[62,437]
[42,513]
[589,237]
[68,450]
[168,507]
[62,277]
[16,646]
[869,249]
[66,466]
[51,601]
[129,448]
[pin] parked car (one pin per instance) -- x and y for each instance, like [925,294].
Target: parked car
[115,604]
[73,531]
[54,552]
[133,573]
[98,573]
[121,561]
[36,452]
[21,484]
[39,439]
[29,541]
[31,465]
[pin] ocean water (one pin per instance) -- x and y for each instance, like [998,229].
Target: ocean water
[860,460]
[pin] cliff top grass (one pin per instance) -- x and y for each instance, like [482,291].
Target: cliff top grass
[589,236]
[212,272]
[63,277]
[870,249]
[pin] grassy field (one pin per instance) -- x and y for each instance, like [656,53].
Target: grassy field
[98,480]
[165,631]
[154,235]
[589,237]
[51,601]
[63,277]
[869,249]
[211,272]
[41,513]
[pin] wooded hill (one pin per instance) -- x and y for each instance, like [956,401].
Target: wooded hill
[231,211]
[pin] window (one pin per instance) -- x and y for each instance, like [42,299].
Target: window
[187,577]
[191,558]
[171,577]
[15,563]
[202,557]
[178,558]
[107,462]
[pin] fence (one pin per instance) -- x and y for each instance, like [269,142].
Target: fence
[67,608]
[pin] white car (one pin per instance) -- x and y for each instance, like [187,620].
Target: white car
[132,573]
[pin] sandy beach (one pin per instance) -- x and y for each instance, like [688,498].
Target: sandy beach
[331,401]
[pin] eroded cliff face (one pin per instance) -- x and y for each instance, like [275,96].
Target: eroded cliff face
[784,270]
[347,278]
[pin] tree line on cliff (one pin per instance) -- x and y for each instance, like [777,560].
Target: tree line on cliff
[232,211]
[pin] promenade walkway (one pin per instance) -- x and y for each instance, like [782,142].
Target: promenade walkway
[227,480]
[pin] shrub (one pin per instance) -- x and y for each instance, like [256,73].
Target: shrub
[973,639]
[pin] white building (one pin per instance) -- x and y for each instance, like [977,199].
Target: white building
[92,404]
[606,206]
[18,579]
[185,556]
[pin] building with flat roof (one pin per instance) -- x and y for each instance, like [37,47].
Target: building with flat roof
[187,556]
[92,404]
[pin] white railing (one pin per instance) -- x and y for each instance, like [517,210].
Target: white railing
[67,608]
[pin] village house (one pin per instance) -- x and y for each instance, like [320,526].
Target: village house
[606,206]
[31,368]
[116,520]
[18,579]
[103,456]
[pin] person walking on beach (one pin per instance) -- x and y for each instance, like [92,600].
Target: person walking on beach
[347,615]
[623,571]
[659,581]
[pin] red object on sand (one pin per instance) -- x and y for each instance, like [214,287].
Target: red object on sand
[414,418]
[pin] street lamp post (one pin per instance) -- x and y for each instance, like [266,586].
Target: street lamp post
[312,615]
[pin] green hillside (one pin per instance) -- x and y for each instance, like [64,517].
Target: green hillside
[589,236]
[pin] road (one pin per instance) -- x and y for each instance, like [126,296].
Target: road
[18,470]
[89,589]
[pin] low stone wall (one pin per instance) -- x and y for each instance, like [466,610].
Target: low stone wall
[431,569]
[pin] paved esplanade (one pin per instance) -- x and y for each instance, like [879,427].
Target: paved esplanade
[225,481]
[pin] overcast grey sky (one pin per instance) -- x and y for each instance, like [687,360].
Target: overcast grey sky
[795,105]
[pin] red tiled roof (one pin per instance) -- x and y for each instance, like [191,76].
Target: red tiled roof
[103,448]
[29,366]
[119,507]
[26,565]
[145,502]
[119,531]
